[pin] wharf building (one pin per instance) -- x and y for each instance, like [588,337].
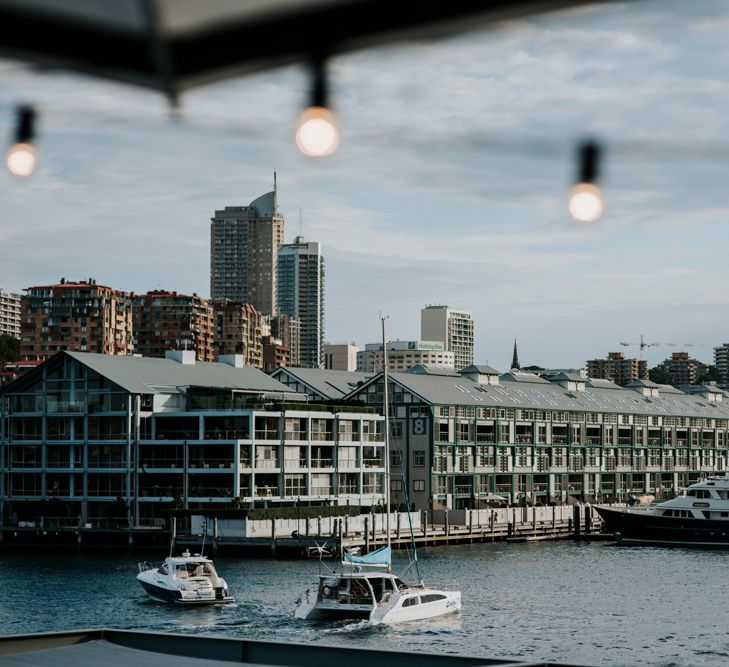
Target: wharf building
[459,437]
[404,354]
[91,432]
[453,328]
[9,314]
[301,296]
[340,356]
[172,321]
[80,316]
[618,369]
[244,242]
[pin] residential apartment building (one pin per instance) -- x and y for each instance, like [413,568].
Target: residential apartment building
[172,321]
[80,316]
[340,356]
[453,328]
[460,436]
[275,354]
[9,314]
[239,329]
[680,370]
[301,295]
[88,430]
[618,369]
[288,331]
[721,361]
[244,242]
[404,354]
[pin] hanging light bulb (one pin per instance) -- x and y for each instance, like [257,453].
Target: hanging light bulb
[317,134]
[21,158]
[585,197]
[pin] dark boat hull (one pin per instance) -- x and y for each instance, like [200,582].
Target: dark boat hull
[648,528]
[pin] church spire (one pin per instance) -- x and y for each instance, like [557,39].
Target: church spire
[515,360]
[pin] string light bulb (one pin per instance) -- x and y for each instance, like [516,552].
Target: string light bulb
[317,133]
[585,197]
[21,158]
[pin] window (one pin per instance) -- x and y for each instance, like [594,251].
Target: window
[396,485]
[419,458]
[419,485]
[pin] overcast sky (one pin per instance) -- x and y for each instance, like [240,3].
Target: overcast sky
[449,187]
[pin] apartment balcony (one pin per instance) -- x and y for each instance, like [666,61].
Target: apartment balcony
[373,463]
[322,463]
[266,434]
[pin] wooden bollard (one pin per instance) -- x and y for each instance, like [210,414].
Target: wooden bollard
[588,519]
[576,521]
[367,534]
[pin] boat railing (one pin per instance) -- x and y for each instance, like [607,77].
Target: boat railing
[145,565]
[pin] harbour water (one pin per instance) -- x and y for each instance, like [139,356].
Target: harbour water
[589,603]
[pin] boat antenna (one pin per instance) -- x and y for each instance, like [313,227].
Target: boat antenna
[386,405]
[204,535]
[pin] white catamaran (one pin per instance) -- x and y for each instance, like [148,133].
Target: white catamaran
[365,587]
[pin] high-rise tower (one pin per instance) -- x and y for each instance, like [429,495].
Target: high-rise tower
[454,328]
[244,241]
[301,295]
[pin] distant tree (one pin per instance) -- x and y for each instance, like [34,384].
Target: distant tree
[711,375]
[9,348]
[659,375]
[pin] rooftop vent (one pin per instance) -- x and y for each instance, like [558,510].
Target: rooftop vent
[185,357]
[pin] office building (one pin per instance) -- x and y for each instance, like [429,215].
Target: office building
[172,321]
[80,316]
[301,295]
[404,354]
[340,356]
[159,434]
[244,241]
[453,328]
[618,369]
[9,314]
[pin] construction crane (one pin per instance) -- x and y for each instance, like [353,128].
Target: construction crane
[643,345]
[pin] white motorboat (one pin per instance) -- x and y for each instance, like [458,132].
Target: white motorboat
[365,588]
[699,517]
[184,580]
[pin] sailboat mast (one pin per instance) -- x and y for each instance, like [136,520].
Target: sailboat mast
[386,403]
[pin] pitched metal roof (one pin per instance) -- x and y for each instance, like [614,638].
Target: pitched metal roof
[543,395]
[324,383]
[148,375]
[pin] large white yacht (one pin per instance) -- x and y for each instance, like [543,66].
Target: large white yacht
[184,580]
[699,517]
[366,589]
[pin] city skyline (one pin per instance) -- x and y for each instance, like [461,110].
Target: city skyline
[465,207]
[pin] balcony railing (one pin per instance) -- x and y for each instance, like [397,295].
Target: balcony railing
[348,489]
[266,464]
[266,434]
[322,463]
[373,463]
[319,437]
[294,435]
